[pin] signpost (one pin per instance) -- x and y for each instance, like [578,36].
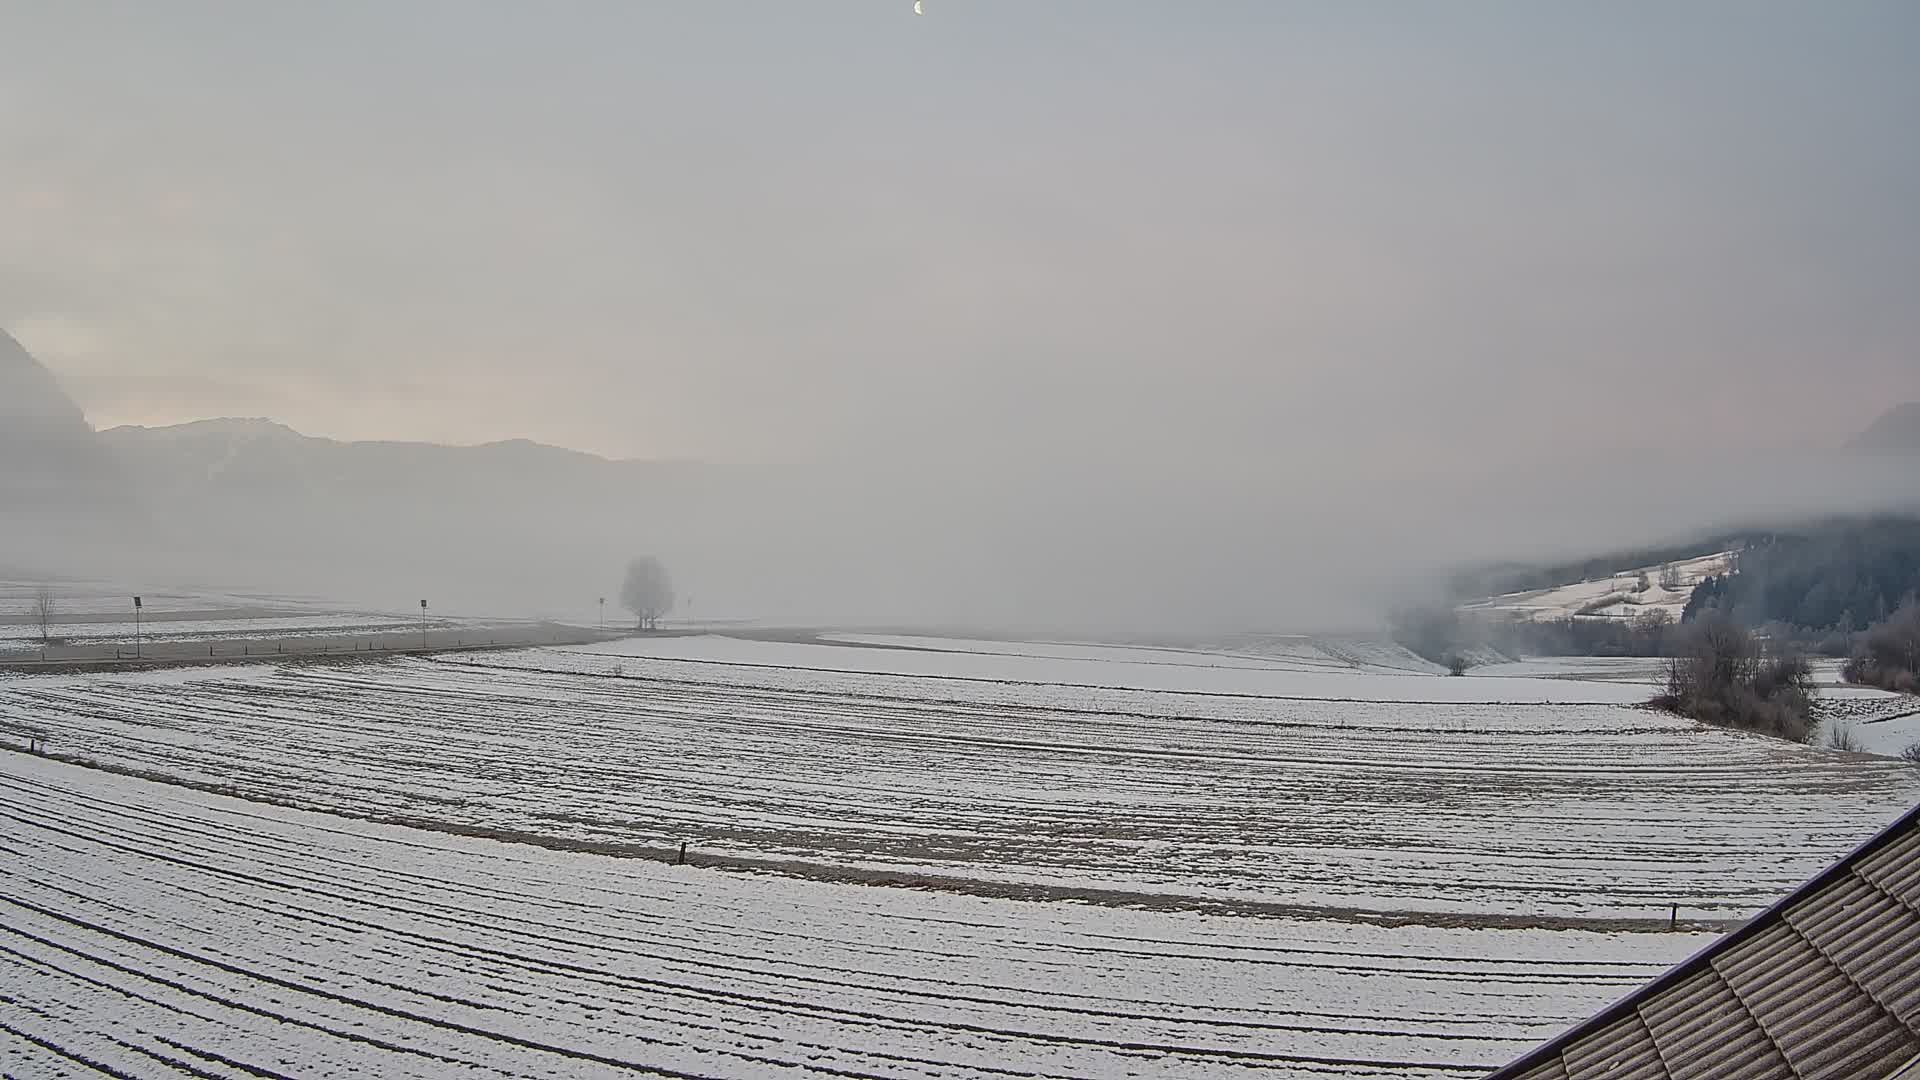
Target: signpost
[136,628]
[423,624]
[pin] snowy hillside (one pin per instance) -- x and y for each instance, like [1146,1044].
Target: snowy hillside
[1629,594]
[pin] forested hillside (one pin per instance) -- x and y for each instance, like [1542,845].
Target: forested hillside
[1838,576]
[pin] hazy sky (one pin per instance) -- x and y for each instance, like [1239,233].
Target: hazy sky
[1242,231]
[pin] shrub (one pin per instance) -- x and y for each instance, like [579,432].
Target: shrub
[1842,737]
[1887,654]
[1719,676]
[1458,665]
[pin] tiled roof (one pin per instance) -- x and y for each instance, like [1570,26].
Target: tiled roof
[1824,985]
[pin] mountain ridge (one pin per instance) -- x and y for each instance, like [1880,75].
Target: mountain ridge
[51,462]
[1897,429]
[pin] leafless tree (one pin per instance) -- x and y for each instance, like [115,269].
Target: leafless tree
[1888,653]
[1653,622]
[648,591]
[45,607]
[1718,675]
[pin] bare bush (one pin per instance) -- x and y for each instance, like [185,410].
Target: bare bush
[1911,755]
[1719,675]
[1843,737]
[1458,664]
[1887,654]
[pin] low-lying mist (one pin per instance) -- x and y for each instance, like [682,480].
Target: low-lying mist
[1089,541]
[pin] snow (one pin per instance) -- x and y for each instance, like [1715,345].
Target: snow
[144,924]
[1208,799]
[1119,860]
[1108,667]
[1890,735]
[1589,597]
[92,615]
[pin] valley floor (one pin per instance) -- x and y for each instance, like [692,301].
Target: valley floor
[157,931]
[1298,860]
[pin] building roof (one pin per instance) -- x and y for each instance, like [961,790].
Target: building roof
[1824,985]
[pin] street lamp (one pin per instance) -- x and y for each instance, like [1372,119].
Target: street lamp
[136,628]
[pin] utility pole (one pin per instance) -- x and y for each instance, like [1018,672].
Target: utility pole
[136,628]
[423,625]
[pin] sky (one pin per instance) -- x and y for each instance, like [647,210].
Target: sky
[1261,236]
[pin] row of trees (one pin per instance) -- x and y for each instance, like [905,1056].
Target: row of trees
[1446,637]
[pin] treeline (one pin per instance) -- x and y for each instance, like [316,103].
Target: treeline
[1843,587]
[1650,634]
[1835,579]
[1446,637]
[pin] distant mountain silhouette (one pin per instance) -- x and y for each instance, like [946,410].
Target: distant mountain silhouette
[30,396]
[1897,429]
[50,461]
[213,460]
[516,523]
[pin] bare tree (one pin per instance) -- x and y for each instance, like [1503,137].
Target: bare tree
[1887,655]
[1670,577]
[45,607]
[648,591]
[1718,675]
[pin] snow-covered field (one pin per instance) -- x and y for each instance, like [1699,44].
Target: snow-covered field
[1054,670]
[88,616]
[95,621]
[1383,805]
[1123,860]
[159,931]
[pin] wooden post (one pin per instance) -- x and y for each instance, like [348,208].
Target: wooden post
[682,860]
[1673,917]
